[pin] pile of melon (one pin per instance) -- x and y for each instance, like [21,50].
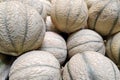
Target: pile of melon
[59,40]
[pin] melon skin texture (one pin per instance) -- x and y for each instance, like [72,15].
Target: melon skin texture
[69,16]
[50,26]
[104,17]
[91,2]
[90,65]
[22,28]
[85,40]
[56,45]
[42,6]
[113,48]
[35,65]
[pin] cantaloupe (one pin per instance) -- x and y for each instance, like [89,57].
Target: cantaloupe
[42,6]
[85,40]
[113,48]
[91,2]
[90,65]
[35,65]
[21,28]
[104,17]
[69,15]
[56,45]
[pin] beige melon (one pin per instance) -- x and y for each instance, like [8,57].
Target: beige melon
[56,45]
[69,15]
[50,26]
[90,65]
[42,6]
[104,17]
[4,67]
[91,2]
[22,28]
[47,5]
[113,48]
[85,40]
[35,65]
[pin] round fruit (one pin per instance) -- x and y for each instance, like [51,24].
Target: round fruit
[104,17]
[56,45]
[22,28]
[85,40]
[113,48]
[35,65]
[69,15]
[90,65]
[42,6]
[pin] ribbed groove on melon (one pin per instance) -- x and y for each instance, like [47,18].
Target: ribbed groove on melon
[26,30]
[68,14]
[111,52]
[41,9]
[114,70]
[81,8]
[69,72]
[37,38]
[115,21]
[61,58]
[80,23]
[7,29]
[100,48]
[76,17]
[54,47]
[99,13]
[84,43]
[86,35]
[35,65]
[83,19]
[90,71]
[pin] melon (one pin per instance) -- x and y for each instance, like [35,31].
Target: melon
[90,65]
[70,15]
[104,17]
[56,45]
[50,26]
[113,48]
[85,40]
[21,28]
[91,2]
[42,6]
[35,65]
